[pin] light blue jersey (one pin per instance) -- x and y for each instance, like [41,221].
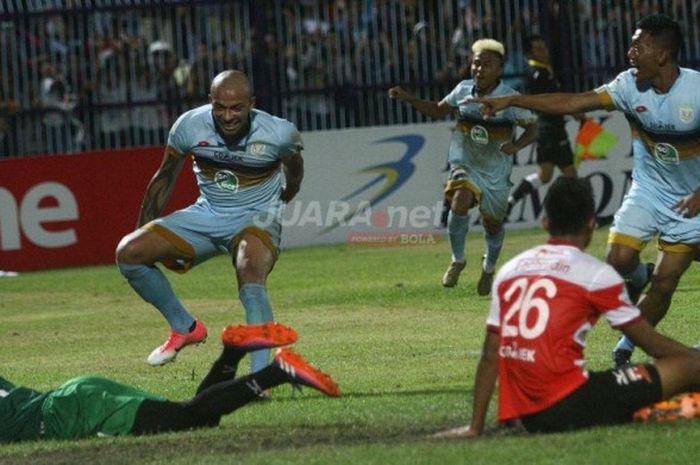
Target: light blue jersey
[244,175]
[239,185]
[475,149]
[666,151]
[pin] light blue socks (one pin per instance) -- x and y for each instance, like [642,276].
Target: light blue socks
[257,310]
[457,228]
[494,244]
[153,287]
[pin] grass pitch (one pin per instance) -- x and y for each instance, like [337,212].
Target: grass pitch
[402,348]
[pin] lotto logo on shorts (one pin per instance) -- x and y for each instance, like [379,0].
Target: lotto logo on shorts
[629,375]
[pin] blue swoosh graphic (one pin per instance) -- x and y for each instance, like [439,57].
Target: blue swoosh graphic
[394,174]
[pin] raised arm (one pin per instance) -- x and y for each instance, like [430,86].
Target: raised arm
[557,103]
[160,188]
[427,107]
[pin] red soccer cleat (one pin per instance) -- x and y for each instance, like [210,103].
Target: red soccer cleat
[176,341]
[254,337]
[300,372]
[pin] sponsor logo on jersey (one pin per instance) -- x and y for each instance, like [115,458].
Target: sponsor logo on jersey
[686,113]
[480,135]
[666,153]
[227,180]
[202,143]
[640,109]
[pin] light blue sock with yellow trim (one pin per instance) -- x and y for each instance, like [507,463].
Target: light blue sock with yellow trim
[153,287]
[494,244]
[457,228]
[257,310]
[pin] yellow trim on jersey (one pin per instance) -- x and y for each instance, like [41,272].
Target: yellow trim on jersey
[179,243]
[172,151]
[452,186]
[628,241]
[261,234]
[677,247]
[244,180]
[605,99]
[688,148]
[497,132]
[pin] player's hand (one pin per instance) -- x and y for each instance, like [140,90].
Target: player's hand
[460,432]
[489,105]
[288,193]
[398,93]
[689,206]
[509,148]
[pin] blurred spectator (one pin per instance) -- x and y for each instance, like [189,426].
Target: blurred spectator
[62,131]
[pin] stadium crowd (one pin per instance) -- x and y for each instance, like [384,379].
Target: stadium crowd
[109,77]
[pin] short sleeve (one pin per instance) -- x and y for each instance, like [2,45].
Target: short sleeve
[614,94]
[291,143]
[177,142]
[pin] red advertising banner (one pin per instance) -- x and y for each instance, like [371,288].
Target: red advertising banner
[71,210]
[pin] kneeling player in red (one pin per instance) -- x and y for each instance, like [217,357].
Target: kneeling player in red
[90,405]
[545,302]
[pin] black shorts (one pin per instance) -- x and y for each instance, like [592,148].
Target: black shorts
[555,150]
[607,398]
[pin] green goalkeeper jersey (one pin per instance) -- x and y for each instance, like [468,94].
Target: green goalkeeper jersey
[20,412]
[82,407]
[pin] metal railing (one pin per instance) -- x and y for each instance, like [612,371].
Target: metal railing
[92,74]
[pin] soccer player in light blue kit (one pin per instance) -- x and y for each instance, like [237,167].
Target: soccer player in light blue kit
[662,104]
[247,164]
[480,157]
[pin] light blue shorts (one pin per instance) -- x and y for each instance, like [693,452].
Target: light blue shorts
[643,217]
[200,233]
[493,203]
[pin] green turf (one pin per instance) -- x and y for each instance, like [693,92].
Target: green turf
[402,348]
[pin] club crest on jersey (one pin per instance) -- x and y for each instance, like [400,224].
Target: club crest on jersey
[479,134]
[257,148]
[666,153]
[227,180]
[686,113]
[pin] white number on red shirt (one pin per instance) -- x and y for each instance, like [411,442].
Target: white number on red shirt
[515,321]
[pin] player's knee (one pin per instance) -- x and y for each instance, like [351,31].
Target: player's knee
[492,227]
[622,262]
[664,284]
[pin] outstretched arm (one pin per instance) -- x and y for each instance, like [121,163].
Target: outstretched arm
[293,167]
[557,103]
[433,109]
[160,188]
[486,375]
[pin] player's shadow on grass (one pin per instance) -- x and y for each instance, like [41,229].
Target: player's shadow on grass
[393,393]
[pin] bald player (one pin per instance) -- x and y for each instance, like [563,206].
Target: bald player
[480,157]
[247,164]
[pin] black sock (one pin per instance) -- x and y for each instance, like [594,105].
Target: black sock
[227,396]
[522,190]
[223,369]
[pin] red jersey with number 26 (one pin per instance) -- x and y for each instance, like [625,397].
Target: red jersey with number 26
[545,301]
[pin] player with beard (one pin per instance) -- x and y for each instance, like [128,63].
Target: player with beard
[480,157]
[662,104]
[247,164]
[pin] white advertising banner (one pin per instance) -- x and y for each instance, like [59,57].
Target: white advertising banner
[383,186]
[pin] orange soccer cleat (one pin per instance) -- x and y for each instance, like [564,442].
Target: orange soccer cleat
[300,372]
[255,337]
